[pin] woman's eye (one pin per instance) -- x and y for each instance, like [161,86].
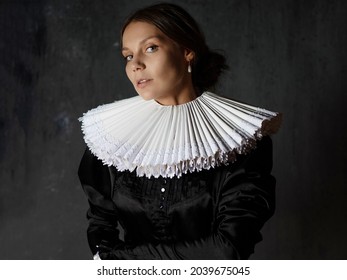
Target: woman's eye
[128,57]
[151,49]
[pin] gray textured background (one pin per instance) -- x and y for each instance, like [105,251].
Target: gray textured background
[60,58]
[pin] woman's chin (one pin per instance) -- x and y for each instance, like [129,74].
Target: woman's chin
[146,96]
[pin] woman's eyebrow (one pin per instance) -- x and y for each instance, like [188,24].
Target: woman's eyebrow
[144,40]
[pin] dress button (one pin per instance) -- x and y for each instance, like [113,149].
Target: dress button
[164,182]
[162,189]
[163,198]
[161,206]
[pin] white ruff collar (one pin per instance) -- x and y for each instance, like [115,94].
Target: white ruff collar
[170,140]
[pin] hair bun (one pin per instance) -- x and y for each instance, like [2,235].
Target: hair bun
[207,70]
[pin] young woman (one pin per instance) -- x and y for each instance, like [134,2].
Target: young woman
[184,172]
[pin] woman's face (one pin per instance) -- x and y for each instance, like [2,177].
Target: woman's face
[156,65]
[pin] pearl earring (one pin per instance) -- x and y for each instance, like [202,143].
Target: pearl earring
[189,68]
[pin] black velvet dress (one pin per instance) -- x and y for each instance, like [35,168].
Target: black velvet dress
[211,214]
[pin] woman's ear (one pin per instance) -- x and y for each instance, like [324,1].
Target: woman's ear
[189,55]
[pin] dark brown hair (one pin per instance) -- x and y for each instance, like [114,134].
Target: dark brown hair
[179,26]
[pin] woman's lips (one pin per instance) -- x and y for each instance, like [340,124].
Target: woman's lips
[143,83]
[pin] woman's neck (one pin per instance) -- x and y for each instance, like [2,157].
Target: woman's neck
[186,95]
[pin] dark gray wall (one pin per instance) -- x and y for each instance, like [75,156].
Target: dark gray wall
[60,58]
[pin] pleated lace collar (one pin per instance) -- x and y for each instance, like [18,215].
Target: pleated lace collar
[169,141]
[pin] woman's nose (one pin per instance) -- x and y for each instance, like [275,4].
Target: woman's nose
[137,65]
